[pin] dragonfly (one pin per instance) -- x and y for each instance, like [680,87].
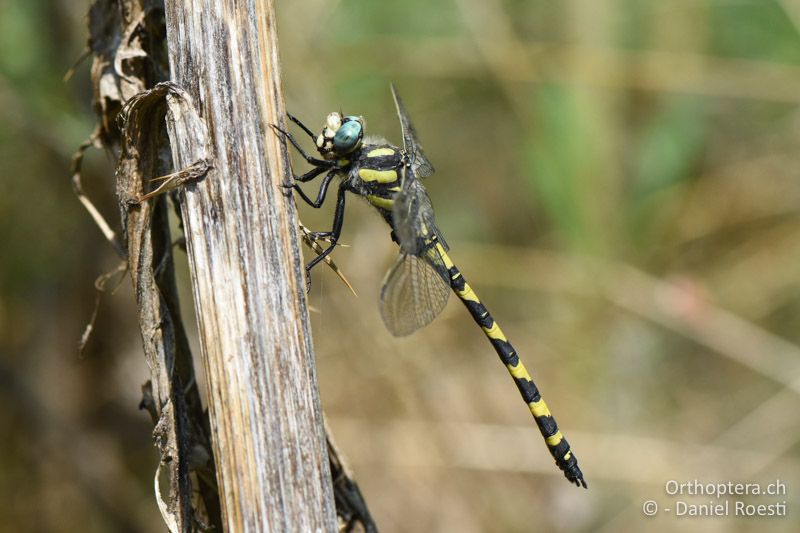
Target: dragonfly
[417,287]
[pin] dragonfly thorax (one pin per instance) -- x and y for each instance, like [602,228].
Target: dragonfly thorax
[340,135]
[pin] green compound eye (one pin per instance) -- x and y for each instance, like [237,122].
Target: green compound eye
[348,136]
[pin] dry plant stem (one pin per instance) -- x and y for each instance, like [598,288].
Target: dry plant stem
[351,509]
[128,59]
[171,396]
[126,43]
[242,243]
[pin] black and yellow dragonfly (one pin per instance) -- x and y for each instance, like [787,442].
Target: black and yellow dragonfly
[417,287]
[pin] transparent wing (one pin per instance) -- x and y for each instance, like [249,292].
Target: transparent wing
[413,294]
[417,287]
[413,219]
[419,163]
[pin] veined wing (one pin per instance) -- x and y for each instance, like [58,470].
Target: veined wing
[417,287]
[413,219]
[419,163]
[413,294]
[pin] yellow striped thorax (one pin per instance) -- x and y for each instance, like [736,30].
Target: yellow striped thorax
[378,201]
[379,176]
[378,169]
[382,151]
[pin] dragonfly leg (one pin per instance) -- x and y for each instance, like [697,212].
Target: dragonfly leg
[311,160]
[303,126]
[323,190]
[336,231]
[320,235]
[310,175]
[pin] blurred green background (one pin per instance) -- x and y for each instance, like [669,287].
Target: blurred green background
[619,181]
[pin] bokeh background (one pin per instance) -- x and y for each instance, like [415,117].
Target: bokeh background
[619,180]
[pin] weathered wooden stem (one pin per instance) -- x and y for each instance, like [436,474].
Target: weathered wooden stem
[241,235]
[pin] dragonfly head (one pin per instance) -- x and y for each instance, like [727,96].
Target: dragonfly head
[340,136]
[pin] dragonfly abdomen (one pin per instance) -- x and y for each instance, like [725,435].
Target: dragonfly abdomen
[556,443]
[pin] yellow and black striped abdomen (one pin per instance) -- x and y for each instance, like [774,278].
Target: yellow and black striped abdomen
[556,443]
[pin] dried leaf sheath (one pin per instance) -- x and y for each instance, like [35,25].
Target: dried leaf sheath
[148,244]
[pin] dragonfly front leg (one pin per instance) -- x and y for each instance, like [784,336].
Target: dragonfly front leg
[303,126]
[311,160]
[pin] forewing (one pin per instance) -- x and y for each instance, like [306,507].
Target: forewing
[419,163]
[413,294]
